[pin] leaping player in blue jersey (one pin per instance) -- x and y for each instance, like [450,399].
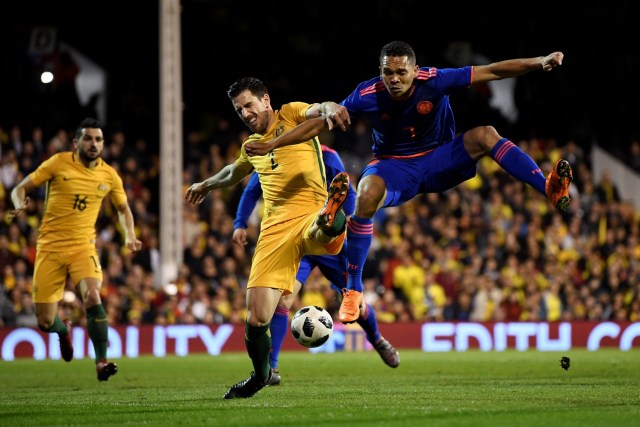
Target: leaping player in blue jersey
[415,145]
[333,267]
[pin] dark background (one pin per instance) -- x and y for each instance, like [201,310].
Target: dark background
[319,51]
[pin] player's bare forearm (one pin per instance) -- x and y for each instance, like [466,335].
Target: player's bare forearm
[302,133]
[125,217]
[516,67]
[19,197]
[228,176]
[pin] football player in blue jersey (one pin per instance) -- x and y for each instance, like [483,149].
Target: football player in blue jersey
[333,267]
[415,145]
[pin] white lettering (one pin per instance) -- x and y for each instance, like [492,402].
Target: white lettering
[435,337]
[133,341]
[54,346]
[182,334]
[214,342]
[606,329]
[430,334]
[159,341]
[522,332]
[465,331]
[626,340]
[78,339]
[20,335]
[115,344]
[563,343]
[500,337]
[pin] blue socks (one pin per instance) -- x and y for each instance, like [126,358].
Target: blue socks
[369,324]
[359,232]
[278,328]
[518,164]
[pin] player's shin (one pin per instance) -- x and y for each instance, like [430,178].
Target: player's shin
[359,235]
[258,342]
[97,328]
[369,324]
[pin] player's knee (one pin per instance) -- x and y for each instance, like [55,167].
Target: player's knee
[257,321]
[45,323]
[368,201]
[480,140]
[92,297]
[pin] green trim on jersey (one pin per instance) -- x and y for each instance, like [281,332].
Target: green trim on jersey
[316,144]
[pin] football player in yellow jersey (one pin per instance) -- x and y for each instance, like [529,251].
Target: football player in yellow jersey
[76,183]
[300,216]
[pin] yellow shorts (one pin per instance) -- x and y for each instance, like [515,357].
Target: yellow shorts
[51,270]
[281,247]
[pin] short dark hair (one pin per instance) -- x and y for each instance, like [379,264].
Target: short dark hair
[252,84]
[398,48]
[89,122]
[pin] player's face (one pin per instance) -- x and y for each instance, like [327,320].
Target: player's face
[398,74]
[90,145]
[253,111]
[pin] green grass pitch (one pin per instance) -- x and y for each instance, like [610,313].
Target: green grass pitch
[339,389]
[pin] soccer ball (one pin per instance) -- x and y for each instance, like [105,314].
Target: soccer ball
[312,326]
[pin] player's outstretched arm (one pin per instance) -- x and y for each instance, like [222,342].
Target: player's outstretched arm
[303,132]
[516,67]
[336,114]
[228,176]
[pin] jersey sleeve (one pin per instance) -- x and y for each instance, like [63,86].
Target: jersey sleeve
[356,102]
[352,101]
[46,171]
[451,79]
[294,112]
[243,159]
[250,195]
[118,196]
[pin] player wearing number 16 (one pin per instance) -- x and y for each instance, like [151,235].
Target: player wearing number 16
[77,183]
[300,216]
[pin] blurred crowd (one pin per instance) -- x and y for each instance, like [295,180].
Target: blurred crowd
[491,249]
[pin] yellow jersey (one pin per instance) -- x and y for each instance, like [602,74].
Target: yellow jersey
[292,178]
[74,195]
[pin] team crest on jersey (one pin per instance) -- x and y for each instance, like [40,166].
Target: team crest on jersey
[424,107]
[279,130]
[103,187]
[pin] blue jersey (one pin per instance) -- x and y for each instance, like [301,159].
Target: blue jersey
[420,123]
[253,191]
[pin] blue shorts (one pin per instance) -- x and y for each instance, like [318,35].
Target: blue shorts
[439,170]
[333,267]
